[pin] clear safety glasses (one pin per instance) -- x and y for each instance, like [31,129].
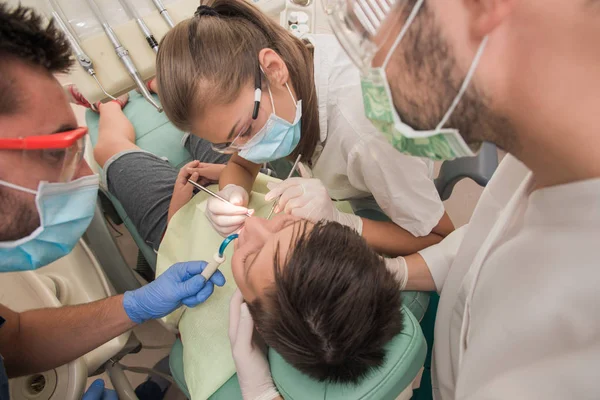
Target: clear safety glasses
[244,134]
[361,26]
[52,158]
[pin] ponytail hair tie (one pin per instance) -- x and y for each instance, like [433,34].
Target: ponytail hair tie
[205,10]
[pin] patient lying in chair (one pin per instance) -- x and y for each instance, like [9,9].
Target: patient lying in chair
[319,295]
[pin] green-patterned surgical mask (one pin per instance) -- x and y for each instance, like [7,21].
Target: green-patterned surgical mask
[437,144]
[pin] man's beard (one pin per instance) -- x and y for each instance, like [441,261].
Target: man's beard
[18,217]
[426,80]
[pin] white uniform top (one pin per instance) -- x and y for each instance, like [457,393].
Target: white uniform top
[518,315]
[356,162]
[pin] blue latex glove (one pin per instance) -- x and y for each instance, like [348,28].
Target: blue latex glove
[96,391]
[180,284]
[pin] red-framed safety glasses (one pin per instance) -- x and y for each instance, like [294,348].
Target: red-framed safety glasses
[54,158]
[61,140]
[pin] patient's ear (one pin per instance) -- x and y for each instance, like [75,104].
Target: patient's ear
[486,15]
[273,66]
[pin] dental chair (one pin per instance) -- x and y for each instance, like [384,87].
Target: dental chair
[395,380]
[155,134]
[406,352]
[74,279]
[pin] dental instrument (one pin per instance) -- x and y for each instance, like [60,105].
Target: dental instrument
[82,58]
[213,194]
[219,258]
[276,203]
[132,12]
[163,12]
[123,55]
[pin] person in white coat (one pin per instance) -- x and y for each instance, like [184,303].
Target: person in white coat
[517,317]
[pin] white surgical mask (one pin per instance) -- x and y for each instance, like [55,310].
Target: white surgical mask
[437,144]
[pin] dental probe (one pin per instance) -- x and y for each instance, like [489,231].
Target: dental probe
[288,177]
[213,194]
[123,54]
[132,12]
[82,58]
[219,258]
[163,11]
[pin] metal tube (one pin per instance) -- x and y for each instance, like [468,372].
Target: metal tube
[123,55]
[132,12]
[82,58]
[163,11]
[61,20]
[119,380]
[276,203]
[213,194]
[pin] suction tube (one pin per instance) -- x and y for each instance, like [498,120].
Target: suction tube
[219,258]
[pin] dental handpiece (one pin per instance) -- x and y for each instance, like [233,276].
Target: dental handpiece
[163,11]
[132,12]
[288,177]
[123,55]
[82,58]
[219,258]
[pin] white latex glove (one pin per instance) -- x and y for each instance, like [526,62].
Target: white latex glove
[225,218]
[397,266]
[309,199]
[250,359]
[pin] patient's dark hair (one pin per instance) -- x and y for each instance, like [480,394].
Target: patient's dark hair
[24,36]
[333,305]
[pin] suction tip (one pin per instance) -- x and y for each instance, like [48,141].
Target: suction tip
[226,242]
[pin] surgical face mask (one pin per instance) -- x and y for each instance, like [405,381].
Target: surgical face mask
[277,139]
[437,144]
[65,211]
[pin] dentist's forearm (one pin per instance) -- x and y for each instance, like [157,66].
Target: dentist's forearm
[39,340]
[239,172]
[388,238]
[444,226]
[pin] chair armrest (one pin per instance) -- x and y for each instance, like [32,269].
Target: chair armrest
[479,168]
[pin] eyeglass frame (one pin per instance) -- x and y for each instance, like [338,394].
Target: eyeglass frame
[62,140]
[229,148]
[56,141]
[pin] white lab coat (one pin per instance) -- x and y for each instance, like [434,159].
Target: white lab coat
[354,160]
[519,313]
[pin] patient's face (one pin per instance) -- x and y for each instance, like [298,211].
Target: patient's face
[254,251]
